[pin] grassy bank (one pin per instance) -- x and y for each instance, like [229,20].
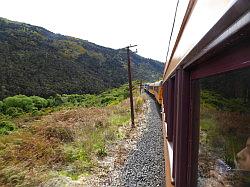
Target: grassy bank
[62,135]
[224,125]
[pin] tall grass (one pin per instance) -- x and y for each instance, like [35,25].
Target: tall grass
[225,123]
[67,138]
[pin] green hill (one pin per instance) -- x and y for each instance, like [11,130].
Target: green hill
[35,61]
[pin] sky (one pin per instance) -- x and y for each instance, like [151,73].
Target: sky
[110,23]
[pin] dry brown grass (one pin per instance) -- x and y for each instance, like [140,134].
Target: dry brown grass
[45,146]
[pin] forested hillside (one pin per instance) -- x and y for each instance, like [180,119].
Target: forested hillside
[35,61]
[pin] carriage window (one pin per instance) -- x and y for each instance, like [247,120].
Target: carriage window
[224,145]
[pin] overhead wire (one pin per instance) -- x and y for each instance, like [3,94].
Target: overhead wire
[172,29]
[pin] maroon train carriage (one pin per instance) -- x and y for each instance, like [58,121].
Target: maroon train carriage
[206,95]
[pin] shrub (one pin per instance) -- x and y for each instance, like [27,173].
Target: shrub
[74,98]
[1,106]
[57,100]
[73,153]
[13,111]
[64,134]
[16,105]
[39,102]
[91,100]
[213,99]
[114,96]
[19,101]
[101,150]
[6,127]
[12,176]
[107,99]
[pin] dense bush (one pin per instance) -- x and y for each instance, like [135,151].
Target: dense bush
[56,100]
[1,106]
[39,102]
[6,127]
[14,111]
[64,134]
[114,96]
[75,98]
[66,142]
[20,104]
[19,101]
[101,150]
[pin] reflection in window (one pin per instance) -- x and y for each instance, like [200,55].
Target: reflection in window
[224,148]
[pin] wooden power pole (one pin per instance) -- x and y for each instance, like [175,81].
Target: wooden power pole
[130,88]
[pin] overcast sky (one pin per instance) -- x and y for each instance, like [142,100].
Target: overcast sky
[111,23]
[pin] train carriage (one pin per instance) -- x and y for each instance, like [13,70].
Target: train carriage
[156,90]
[206,95]
[151,88]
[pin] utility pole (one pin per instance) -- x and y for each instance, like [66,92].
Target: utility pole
[140,87]
[130,88]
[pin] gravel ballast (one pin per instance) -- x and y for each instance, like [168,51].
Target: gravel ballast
[145,164]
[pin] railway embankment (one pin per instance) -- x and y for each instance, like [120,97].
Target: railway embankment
[145,163]
[136,160]
[81,144]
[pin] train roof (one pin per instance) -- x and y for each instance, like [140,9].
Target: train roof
[157,83]
[203,28]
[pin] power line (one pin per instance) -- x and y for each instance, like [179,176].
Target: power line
[172,29]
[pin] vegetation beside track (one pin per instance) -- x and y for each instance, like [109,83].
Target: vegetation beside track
[62,135]
[224,125]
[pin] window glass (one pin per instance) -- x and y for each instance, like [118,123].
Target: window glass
[224,145]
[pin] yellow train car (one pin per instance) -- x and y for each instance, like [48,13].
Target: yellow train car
[151,88]
[156,90]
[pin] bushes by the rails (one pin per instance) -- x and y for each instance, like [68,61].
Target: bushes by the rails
[100,149]
[6,127]
[55,100]
[75,99]
[39,102]
[114,96]
[14,111]
[64,134]
[19,104]
[19,101]
[1,106]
